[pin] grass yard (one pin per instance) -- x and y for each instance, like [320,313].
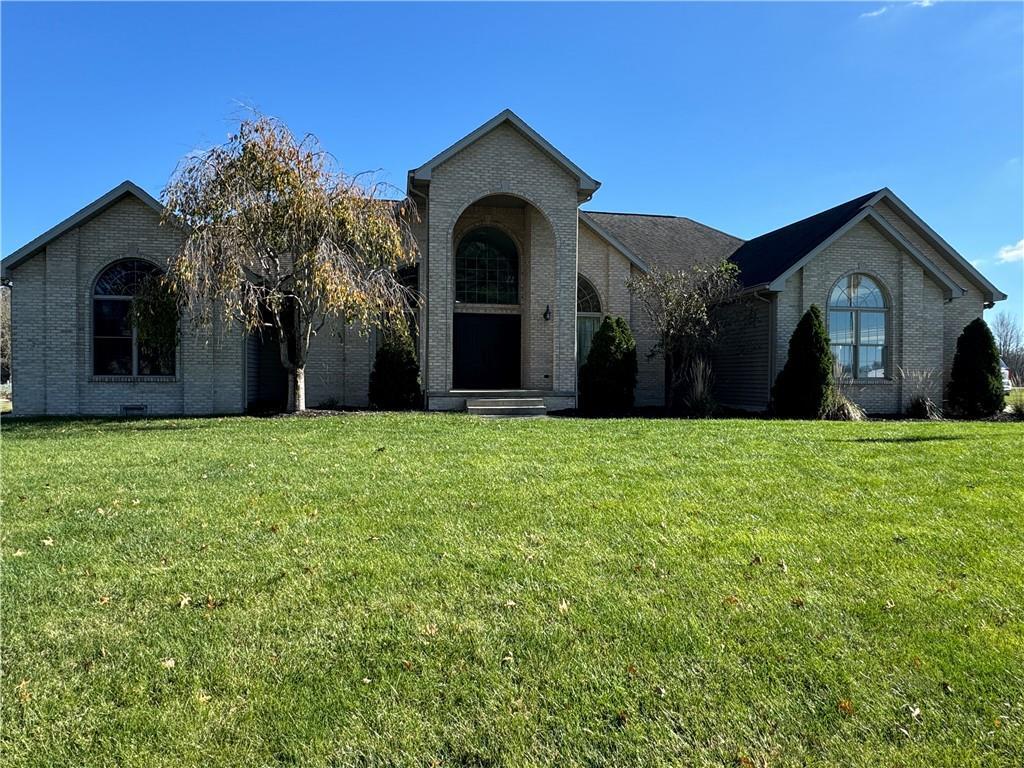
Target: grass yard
[376,590]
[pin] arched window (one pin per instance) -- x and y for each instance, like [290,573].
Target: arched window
[487,268]
[116,350]
[587,300]
[588,317]
[857,327]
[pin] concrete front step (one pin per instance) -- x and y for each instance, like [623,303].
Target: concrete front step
[506,406]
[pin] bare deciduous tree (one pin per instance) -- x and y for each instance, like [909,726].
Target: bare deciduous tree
[276,236]
[682,304]
[1009,333]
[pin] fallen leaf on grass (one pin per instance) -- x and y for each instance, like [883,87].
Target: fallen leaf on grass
[167,663]
[510,603]
[203,697]
[797,602]
[846,707]
[47,542]
[507,658]
[563,606]
[783,567]
[731,600]
[889,605]
[430,630]
[23,693]
[406,665]
[19,553]
[104,599]
[756,559]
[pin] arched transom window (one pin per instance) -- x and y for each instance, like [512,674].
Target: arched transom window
[587,299]
[588,317]
[487,268]
[857,327]
[116,350]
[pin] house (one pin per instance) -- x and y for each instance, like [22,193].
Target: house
[515,278]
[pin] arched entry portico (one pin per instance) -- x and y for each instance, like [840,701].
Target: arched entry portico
[502,294]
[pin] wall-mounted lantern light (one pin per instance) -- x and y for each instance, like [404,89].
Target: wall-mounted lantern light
[547,312]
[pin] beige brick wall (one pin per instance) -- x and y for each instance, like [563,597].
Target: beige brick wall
[504,162]
[52,329]
[957,313]
[608,270]
[922,327]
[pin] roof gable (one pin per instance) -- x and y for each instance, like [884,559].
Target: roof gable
[585,182]
[89,212]
[767,261]
[763,259]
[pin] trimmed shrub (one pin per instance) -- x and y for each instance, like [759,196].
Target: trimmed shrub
[608,377]
[975,383]
[395,378]
[805,388]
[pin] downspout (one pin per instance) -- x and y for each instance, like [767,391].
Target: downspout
[424,308]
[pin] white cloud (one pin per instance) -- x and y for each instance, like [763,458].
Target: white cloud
[924,3]
[1011,253]
[978,263]
[872,14]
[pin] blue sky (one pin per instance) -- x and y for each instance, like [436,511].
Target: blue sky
[743,116]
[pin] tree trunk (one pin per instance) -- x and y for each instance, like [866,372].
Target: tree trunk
[296,390]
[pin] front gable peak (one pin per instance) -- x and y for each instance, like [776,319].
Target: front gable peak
[586,184]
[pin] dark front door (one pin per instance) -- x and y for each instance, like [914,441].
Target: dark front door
[486,351]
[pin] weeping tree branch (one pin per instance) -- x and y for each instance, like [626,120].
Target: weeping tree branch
[277,235]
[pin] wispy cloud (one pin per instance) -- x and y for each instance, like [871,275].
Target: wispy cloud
[872,14]
[885,8]
[978,263]
[1011,253]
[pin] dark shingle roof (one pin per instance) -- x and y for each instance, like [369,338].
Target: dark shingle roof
[764,258]
[669,242]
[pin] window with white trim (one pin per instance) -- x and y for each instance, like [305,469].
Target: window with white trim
[858,322]
[116,350]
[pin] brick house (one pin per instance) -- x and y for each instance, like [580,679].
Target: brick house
[515,278]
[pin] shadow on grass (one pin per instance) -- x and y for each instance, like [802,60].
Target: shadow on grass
[43,426]
[906,439]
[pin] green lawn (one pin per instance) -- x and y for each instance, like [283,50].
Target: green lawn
[380,590]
